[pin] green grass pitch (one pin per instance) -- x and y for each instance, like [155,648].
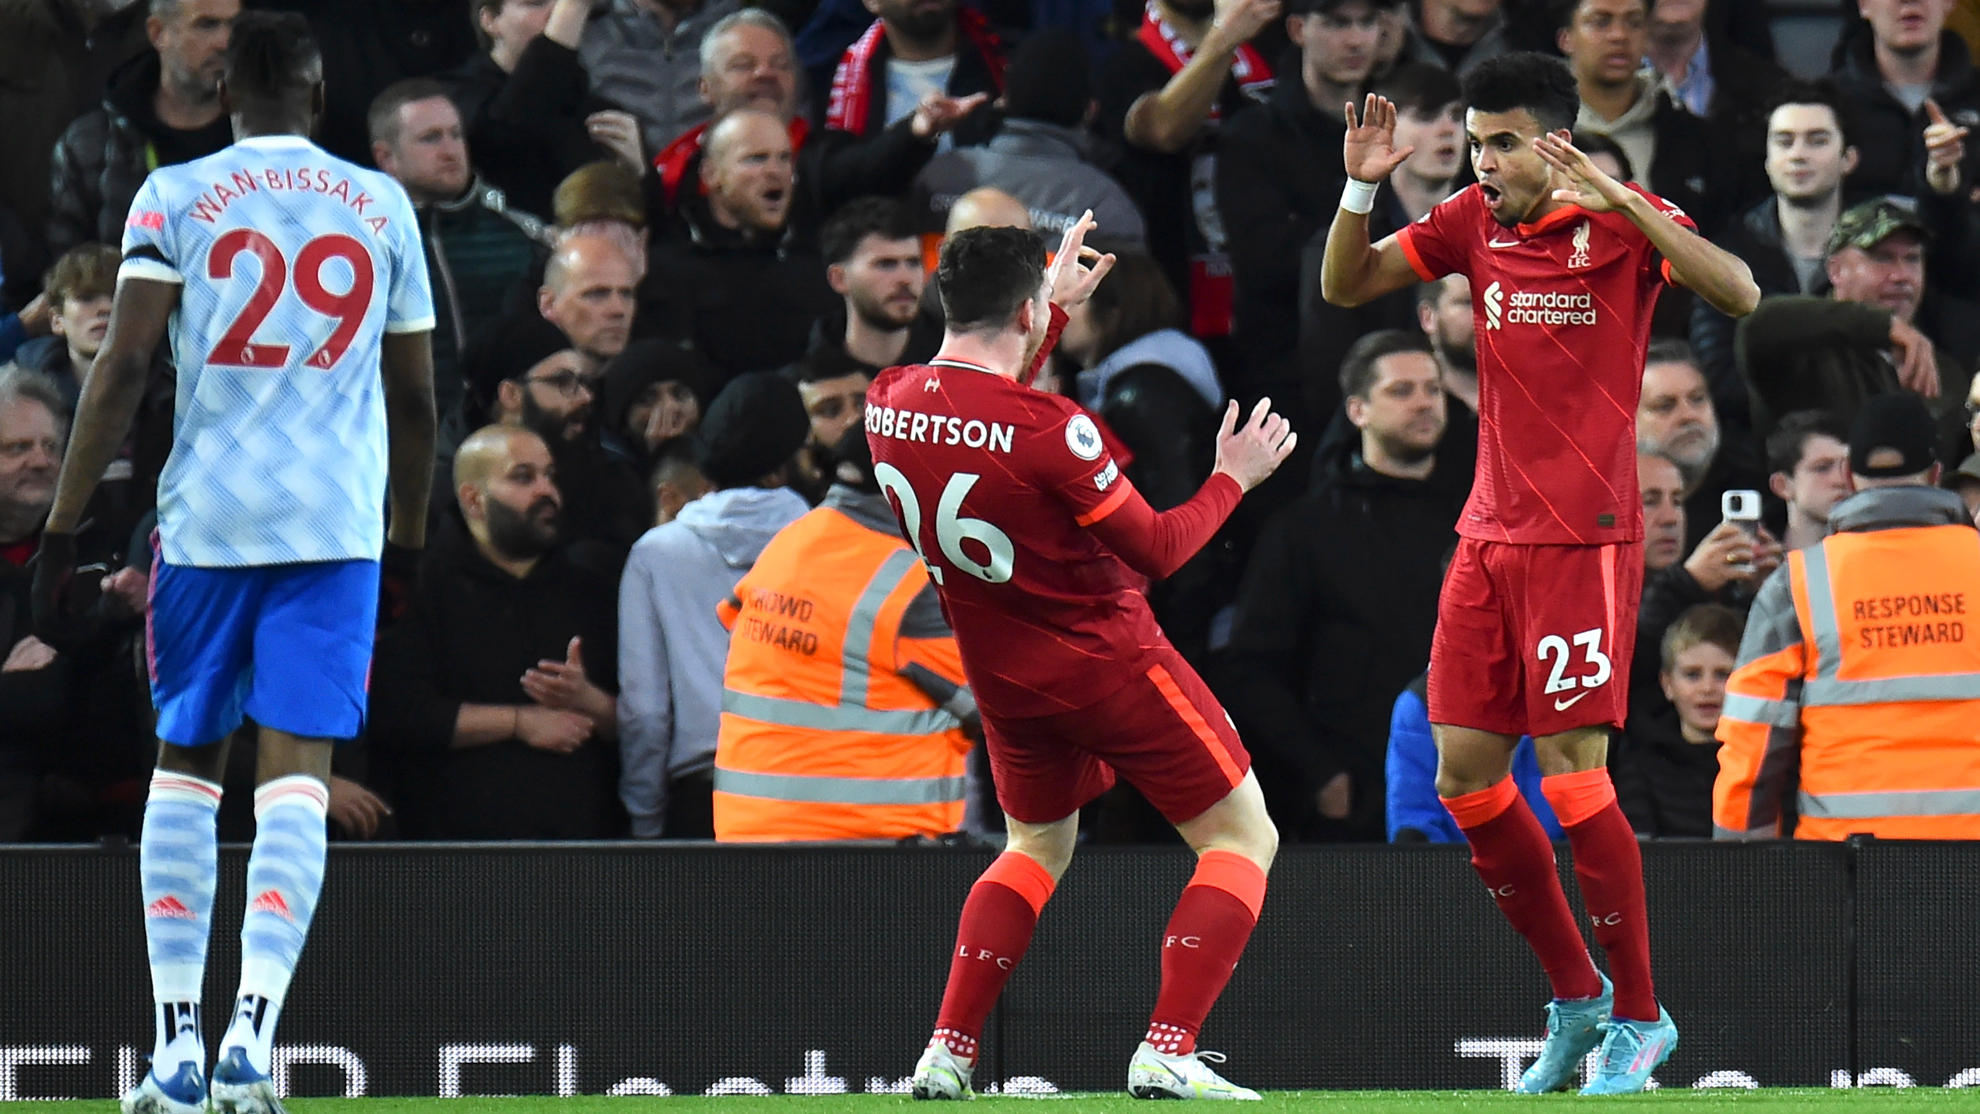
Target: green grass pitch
[1772,1101]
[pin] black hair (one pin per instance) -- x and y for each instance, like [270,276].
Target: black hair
[1789,441]
[272,61]
[1595,143]
[382,120]
[1823,92]
[854,449]
[856,220]
[1564,10]
[1421,87]
[1539,83]
[674,454]
[1358,367]
[986,274]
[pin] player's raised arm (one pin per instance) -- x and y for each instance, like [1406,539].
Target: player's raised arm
[411,426]
[1156,545]
[1355,271]
[1713,273]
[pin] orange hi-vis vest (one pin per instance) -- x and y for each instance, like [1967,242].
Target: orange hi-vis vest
[824,736]
[1876,703]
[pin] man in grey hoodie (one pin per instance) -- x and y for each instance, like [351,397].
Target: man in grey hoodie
[672,648]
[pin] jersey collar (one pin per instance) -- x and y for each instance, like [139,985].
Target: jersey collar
[1534,228]
[275,142]
[943,361]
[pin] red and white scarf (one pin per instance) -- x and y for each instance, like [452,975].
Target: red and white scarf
[851,103]
[1253,73]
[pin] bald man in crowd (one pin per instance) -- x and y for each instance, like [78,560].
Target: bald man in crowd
[587,292]
[986,207]
[731,276]
[493,702]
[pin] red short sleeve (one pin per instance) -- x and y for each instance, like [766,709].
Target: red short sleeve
[1439,243]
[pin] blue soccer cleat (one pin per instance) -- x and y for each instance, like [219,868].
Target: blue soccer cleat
[184,1093]
[1631,1050]
[1574,1028]
[239,1089]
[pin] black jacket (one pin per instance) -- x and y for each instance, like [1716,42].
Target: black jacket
[370,44]
[525,130]
[1279,178]
[105,155]
[472,632]
[749,302]
[1333,620]
[1663,783]
[1890,139]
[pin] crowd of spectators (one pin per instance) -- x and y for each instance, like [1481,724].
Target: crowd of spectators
[671,242]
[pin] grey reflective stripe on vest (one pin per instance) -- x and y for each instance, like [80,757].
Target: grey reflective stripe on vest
[841,790]
[1753,709]
[1822,613]
[822,717]
[1902,802]
[1825,689]
[857,649]
[1736,836]
[1893,690]
[851,714]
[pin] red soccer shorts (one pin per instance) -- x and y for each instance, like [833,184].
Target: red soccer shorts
[1163,731]
[1535,639]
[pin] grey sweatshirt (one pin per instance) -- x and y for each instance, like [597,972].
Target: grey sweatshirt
[672,648]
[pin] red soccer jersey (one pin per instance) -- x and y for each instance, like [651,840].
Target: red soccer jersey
[1562,310]
[995,484]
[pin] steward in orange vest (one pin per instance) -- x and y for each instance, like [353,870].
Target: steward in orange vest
[844,703]
[1856,704]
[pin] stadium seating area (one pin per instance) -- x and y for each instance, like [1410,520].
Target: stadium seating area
[632,208]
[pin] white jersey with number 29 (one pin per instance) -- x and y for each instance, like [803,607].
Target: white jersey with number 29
[293,265]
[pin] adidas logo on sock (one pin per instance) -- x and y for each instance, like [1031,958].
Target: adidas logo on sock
[171,908]
[270,902]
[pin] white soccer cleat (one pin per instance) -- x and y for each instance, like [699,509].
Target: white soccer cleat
[1158,1075]
[238,1088]
[183,1093]
[942,1075]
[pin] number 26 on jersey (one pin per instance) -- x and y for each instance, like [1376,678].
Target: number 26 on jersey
[951,529]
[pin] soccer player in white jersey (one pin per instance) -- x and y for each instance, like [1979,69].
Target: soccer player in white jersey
[296,295]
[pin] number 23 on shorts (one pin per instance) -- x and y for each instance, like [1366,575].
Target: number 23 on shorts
[1555,652]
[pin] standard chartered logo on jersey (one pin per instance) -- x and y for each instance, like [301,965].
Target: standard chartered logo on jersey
[1504,306]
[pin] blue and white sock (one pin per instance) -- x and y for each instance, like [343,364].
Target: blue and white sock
[285,874]
[178,864]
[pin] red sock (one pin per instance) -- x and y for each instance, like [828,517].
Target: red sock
[1511,852]
[996,927]
[1609,866]
[1206,935]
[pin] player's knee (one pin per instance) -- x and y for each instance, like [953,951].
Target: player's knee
[1571,752]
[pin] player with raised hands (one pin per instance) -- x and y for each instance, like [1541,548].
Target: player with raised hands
[1538,613]
[1034,536]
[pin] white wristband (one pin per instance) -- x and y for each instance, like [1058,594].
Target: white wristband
[1359,196]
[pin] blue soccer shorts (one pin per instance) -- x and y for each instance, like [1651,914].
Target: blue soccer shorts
[286,645]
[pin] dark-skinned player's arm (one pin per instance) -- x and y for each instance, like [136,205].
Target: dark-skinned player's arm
[1713,273]
[1354,271]
[1156,545]
[411,426]
[139,314]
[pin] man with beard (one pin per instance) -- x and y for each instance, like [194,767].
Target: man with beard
[492,702]
[731,277]
[525,373]
[1443,311]
[1338,603]
[873,262]
[1675,418]
[162,108]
